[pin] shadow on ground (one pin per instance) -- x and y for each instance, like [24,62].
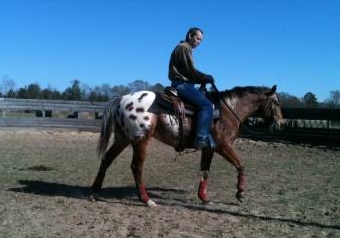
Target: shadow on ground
[128,196]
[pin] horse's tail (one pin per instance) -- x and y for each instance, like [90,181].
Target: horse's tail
[107,126]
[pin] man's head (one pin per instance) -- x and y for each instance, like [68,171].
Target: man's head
[194,36]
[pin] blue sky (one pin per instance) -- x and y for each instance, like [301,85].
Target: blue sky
[291,43]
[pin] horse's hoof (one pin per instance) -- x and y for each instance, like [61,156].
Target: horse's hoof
[204,199]
[207,202]
[93,197]
[239,196]
[151,203]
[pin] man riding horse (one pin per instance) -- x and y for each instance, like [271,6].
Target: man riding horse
[184,76]
[134,119]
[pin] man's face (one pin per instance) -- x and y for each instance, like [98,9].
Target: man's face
[196,39]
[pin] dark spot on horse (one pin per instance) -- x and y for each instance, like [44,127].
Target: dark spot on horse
[133,117]
[129,106]
[146,118]
[140,109]
[141,97]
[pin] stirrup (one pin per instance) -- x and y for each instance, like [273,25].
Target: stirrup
[217,113]
[211,141]
[207,142]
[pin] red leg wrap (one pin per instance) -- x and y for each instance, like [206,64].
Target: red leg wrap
[202,190]
[143,195]
[241,182]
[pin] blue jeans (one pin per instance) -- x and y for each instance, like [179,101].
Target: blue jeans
[192,95]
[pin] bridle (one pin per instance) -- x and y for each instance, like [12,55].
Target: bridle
[273,102]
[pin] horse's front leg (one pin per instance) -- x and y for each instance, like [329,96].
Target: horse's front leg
[241,183]
[137,166]
[206,158]
[229,154]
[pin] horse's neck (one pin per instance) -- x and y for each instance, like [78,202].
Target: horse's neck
[243,107]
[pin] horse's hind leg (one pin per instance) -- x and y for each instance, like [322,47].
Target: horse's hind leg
[137,166]
[117,147]
[206,158]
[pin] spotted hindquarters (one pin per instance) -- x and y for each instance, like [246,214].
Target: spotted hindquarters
[132,116]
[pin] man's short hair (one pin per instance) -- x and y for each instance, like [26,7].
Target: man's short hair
[191,32]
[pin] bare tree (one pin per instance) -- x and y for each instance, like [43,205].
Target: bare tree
[120,90]
[288,100]
[334,99]
[138,85]
[7,85]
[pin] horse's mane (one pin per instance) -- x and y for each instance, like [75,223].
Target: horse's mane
[242,91]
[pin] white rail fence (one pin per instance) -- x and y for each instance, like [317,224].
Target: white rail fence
[81,115]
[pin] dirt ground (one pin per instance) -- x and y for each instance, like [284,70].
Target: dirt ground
[45,179]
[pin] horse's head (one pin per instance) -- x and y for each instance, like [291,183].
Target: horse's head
[271,110]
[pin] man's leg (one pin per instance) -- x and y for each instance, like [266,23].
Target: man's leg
[204,107]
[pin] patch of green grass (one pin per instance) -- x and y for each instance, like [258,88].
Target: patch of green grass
[17,114]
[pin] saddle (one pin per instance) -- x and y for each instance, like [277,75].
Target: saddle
[170,102]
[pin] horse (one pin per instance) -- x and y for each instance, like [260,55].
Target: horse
[132,121]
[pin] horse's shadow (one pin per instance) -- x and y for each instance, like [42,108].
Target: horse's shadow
[84,192]
[129,195]
[71,191]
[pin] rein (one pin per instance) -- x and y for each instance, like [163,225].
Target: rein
[232,111]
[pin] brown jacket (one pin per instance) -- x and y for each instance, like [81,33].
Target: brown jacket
[181,65]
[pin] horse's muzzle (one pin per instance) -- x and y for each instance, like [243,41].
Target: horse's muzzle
[277,125]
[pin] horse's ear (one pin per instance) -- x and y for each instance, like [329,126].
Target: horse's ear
[272,91]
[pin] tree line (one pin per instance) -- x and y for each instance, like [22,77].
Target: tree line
[81,92]
[77,91]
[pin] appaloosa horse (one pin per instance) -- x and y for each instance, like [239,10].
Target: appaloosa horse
[133,120]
